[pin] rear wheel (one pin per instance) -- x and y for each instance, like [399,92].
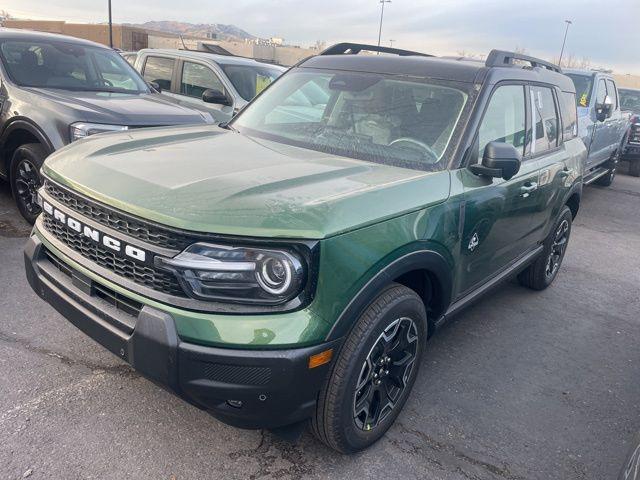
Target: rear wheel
[25,179]
[541,273]
[374,372]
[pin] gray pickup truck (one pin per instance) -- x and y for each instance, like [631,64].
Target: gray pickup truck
[602,124]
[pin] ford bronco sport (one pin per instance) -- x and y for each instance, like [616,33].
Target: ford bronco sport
[291,266]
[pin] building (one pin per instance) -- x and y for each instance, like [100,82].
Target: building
[124,37]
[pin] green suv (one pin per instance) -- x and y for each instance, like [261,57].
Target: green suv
[291,265]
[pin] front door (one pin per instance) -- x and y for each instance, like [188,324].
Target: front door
[497,213]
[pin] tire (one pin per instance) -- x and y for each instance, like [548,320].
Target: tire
[634,168]
[607,179]
[398,313]
[25,178]
[543,271]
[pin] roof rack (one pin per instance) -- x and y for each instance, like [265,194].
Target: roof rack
[500,58]
[355,48]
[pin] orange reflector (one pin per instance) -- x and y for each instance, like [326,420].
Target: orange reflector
[320,358]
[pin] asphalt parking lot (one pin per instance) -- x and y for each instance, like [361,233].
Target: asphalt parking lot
[524,385]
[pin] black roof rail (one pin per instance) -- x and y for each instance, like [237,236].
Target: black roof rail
[500,58]
[355,48]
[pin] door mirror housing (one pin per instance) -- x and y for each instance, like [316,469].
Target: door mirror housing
[604,110]
[499,160]
[211,95]
[155,86]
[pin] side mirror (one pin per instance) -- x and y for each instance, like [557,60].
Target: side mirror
[500,160]
[605,109]
[211,95]
[155,86]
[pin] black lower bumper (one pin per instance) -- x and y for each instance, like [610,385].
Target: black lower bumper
[631,153]
[244,388]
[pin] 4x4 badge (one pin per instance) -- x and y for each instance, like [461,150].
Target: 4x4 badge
[474,242]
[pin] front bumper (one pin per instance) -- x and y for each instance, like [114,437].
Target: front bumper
[275,387]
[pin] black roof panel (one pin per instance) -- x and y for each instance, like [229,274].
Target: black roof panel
[431,67]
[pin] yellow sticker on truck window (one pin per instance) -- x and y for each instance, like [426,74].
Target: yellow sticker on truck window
[262,83]
[583,100]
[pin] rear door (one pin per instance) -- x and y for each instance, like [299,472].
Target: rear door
[498,213]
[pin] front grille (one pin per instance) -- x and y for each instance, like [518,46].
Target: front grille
[147,276]
[120,302]
[121,222]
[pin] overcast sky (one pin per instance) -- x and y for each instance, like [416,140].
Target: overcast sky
[605,31]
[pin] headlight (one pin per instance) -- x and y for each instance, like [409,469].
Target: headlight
[238,274]
[80,130]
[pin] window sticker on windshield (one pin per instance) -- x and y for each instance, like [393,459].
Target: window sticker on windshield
[262,83]
[583,100]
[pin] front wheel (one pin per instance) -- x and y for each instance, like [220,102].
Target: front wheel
[25,179]
[374,372]
[607,179]
[543,271]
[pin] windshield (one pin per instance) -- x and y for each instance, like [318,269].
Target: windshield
[583,85]
[69,66]
[250,80]
[379,118]
[630,100]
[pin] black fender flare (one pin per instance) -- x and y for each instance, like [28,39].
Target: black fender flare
[23,123]
[429,260]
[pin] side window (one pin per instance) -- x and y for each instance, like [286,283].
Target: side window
[159,70]
[602,92]
[613,93]
[504,119]
[544,120]
[197,78]
[569,115]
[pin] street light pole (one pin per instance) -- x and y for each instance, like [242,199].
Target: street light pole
[564,41]
[382,2]
[110,27]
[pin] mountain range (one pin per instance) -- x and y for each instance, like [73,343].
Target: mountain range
[223,32]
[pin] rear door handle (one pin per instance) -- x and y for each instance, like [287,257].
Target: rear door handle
[528,188]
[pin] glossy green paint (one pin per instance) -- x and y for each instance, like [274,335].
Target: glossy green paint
[207,179]
[299,328]
[364,215]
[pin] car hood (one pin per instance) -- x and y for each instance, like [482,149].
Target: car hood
[146,109]
[212,180]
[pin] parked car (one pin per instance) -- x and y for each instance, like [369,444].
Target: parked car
[602,124]
[218,84]
[296,273]
[630,101]
[56,89]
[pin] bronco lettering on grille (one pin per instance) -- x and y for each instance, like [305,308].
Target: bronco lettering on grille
[97,236]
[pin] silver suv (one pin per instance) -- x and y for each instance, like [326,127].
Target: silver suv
[218,84]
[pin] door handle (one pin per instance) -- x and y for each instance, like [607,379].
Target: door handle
[528,188]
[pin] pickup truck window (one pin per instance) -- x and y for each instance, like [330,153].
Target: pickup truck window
[69,66]
[159,70]
[583,84]
[504,120]
[613,93]
[602,92]
[197,78]
[545,120]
